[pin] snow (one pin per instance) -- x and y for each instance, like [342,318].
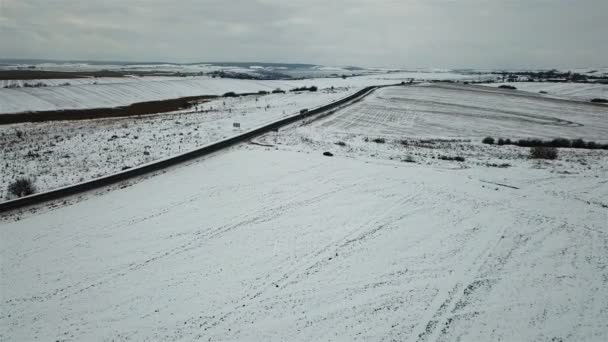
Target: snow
[576,91]
[61,153]
[456,111]
[259,244]
[57,154]
[82,81]
[78,96]
[273,241]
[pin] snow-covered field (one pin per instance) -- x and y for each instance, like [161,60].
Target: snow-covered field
[78,96]
[60,153]
[56,154]
[120,94]
[457,111]
[577,91]
[260,244]
[83,81]
[385,241]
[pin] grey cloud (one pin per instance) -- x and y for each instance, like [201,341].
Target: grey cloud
[405,33]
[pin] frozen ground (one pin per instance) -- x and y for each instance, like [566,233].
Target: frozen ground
[255,69]
[77,96]
[577,91]
[260,244]
[277,242]
[62,153]
[84,81]
[458,111]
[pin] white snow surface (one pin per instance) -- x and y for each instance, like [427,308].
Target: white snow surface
[259,244]
[60,153]
[64,82]
[459,111]
[577,91]
[273,241]
[79,96]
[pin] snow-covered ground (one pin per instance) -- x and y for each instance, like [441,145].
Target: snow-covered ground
[384,241]
[56,154]
[78,96]
[579,91]
[82,81]
[254,69]
[60,153]
[457,111]
[268,243]
[120,94]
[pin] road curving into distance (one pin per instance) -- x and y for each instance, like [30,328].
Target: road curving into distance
[43,197]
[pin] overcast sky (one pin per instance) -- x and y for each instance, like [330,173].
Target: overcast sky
[398,33]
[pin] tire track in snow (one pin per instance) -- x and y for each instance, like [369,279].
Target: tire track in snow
[305,266]
[437,320]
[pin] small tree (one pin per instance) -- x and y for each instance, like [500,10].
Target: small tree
[21,187]
[543,152]
[579,143]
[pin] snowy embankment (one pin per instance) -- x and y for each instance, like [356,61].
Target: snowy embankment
[576,91]
[100,95]
[281,243]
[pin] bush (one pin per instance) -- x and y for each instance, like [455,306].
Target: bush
[557,143]
[460,159]
[560,142]
[579,143]
[530,142]
[21,187]
[599,101]
[503,141]
[379,140]
[409,159]
[230,94]
[543,152]
[313,88]
[501,166]
[543,92]
[488,140]
[504,86]
[278,91]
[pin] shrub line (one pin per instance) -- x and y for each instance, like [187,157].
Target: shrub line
[557,143]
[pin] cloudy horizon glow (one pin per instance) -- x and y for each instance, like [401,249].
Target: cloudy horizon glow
[382,33]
